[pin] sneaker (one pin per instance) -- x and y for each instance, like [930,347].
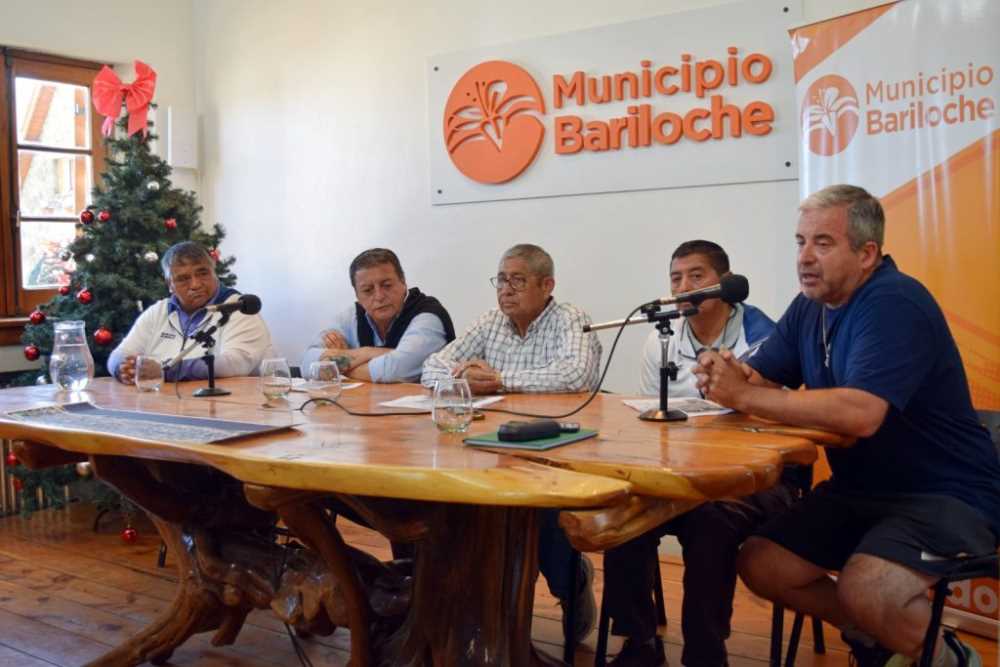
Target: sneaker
[586,606]
[967,656]
[865,651]
[637,653]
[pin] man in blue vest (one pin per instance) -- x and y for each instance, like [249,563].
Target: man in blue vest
[388,333]
[921,483]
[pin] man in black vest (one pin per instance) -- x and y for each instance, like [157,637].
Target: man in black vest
[388,333]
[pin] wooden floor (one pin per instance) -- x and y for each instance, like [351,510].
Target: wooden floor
[68,594]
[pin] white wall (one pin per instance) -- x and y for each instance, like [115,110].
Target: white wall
[115,32]
[315,147]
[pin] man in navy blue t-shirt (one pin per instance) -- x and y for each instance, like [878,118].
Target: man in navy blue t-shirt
[922,481]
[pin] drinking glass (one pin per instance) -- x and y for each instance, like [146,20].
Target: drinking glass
[452,412]
[275,378]
[148,373]
[323,380]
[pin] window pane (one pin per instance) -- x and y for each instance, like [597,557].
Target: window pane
[52,184]
[52,114]
[41,245]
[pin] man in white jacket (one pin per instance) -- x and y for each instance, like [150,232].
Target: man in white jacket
[167,326]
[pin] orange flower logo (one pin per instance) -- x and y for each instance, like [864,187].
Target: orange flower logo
[830,114]
[489,132]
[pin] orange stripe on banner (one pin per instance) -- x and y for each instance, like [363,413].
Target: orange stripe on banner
[944,226]
[971,327]
[823,38]
[932,177]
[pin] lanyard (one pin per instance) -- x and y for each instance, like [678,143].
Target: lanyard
[827,341]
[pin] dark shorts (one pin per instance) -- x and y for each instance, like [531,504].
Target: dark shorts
[917,531]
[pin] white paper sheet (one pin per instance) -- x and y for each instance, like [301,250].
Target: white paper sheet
[301,384]
[692,407]
[426,402]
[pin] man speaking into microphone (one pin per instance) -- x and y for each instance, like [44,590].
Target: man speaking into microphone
[920,486]
[710,534]
[196,300]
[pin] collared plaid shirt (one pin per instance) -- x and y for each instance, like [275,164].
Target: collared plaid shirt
[555,355]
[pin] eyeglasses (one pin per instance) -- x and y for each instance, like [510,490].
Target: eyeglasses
[517,283]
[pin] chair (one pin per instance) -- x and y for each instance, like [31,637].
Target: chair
[963,568]
[778,630]
[804,483]
[603,629]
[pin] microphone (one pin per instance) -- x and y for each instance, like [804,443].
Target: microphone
[732,288]
[248,304]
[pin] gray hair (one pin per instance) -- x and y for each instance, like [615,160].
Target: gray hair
[865,217]
[185,252]
[539,261]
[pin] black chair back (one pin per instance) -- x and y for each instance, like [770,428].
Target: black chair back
[991,420]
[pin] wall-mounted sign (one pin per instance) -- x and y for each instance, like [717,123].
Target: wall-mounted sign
[694,98]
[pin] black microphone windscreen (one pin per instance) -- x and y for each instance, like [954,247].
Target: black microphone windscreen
[249,304]
[734,288]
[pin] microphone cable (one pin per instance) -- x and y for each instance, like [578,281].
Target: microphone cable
[588,401]
[332,401]
[593,393]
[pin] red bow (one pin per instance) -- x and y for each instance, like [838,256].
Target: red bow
[109,92]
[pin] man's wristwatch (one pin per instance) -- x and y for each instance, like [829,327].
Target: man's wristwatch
[343,362]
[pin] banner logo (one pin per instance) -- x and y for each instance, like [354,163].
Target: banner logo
[489,130]
[830,114]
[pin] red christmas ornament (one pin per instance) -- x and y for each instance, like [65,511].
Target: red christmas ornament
[11,459]
[104,216]
[31,352]
[85,296]
[64,289]
[129,535]
[103,336]
[36,317]
[18,484]
[215,254]
[86,216]
[170,223]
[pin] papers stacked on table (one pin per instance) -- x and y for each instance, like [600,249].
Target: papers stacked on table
[692,407]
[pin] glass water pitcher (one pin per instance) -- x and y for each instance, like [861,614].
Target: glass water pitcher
[71,365]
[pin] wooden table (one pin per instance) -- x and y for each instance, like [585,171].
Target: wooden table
[472,512]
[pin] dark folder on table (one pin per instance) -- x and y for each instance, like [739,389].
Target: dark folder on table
[492,440]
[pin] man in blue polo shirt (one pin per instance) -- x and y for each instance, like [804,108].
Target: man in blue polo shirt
[922,481]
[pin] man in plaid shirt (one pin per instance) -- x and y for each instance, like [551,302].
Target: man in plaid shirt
[531,344]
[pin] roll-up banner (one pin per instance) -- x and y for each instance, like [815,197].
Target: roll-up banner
[901,99]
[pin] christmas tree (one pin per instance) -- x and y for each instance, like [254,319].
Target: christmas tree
[133,219]
[135,215]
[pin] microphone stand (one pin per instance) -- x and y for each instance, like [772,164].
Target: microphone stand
[668,369]
[206,339]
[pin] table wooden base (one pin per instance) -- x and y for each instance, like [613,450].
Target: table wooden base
[466,599]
